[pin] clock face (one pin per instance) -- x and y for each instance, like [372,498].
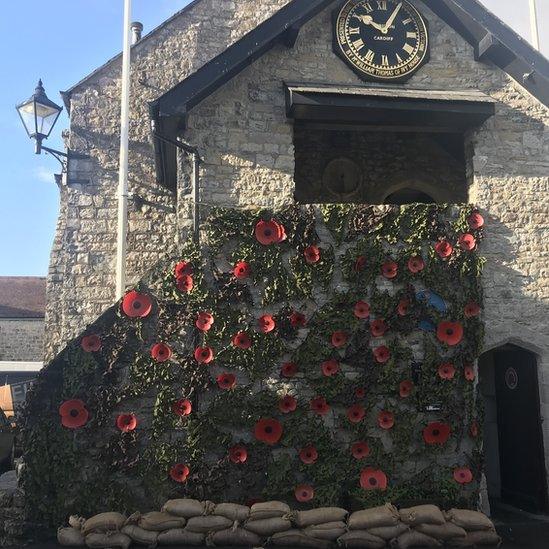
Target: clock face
[384,40]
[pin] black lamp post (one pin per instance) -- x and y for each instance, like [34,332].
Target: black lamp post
[39,115]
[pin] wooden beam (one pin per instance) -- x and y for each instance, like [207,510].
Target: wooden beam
[289,38]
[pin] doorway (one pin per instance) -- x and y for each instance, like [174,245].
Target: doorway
[513,439]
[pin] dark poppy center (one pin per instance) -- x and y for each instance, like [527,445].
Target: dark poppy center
[136,305]
[372,481]
[268,232]
[74,412]
[268,430]
[436,432]
[449,331]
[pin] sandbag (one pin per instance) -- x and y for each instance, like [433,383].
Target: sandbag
[141,536]
[204,525]
[360,539]
[268,527]
[329,530]
[77,522]
[414,539]
[187,508]
[296,538]
[386,515]
[114,540]
[444,532]
[70,537]
[422,514]
[478,538]
[103,522]
[178,536]
[232,511]
[389,532]
[268,509]
[236,536]
[321,515]
[157,521]
[470,520]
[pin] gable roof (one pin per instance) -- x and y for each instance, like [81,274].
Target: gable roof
[22,297]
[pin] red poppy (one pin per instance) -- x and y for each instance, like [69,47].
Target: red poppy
[204,321]
[360,450]
[308,455]
[226,381]
[320,406]
[289,369]
[126,422]
[242,340]
[362,309]
[389,269]
[179,472]
[463,475]
[304,493]
[373,479]
[403,307]
[185,283]
[91,343]
[161,352]
[356,413]
[471,309]
[476,221]
[298,320]
[242,270]
[443,248]
[446,371]
[268,430]
[330,367]
[450,333]
[473,429]
[238,454]
[183,268]
[360,263]
[469,372]
[467,242]
[266,324]
[405,388]
[182,407]
[269,232]
[360,392]
[378,327]
[312,255]
[339,339]
[287,404]
[73,414]
[416,264]
[436,433]
[136,305]
[203,355]
[382,354]
[386,420]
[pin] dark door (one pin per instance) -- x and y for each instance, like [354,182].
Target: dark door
[521,453]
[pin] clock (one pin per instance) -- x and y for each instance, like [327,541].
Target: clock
[381,40]
[342,178]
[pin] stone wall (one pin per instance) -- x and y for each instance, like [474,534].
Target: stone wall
[21,339]
[248,148]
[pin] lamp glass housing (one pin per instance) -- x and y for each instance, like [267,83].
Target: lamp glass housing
[39,114]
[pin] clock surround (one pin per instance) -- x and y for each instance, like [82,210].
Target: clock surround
[381,40]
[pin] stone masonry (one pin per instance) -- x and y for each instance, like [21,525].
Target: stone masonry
[248,148]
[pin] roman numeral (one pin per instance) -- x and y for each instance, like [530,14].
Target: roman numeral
[398,58]
[368,7]
[358,44]
[411,35]
[406,21]
[369,56]
[354,31]
[382,5]
[408,49]
[384,60]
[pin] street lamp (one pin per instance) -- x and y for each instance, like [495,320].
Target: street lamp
[39,115]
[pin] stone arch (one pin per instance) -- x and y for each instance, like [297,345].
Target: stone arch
[430,188]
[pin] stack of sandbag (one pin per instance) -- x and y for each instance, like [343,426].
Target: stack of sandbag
[269,520]
[372,528]
[100,531]
[479,529]
[146,529]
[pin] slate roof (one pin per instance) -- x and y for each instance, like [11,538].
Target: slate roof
[22,296]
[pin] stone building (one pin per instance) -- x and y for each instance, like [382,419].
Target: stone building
[277,115]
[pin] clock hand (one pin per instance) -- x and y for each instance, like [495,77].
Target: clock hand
[367,20]
[391,19]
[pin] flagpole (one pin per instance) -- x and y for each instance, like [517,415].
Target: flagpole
[534,24]
[122,230]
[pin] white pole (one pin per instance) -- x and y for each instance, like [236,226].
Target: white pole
[123,168]
[534,24]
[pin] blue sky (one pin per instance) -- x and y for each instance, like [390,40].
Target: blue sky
[62,41]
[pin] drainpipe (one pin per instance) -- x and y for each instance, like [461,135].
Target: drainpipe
[122,229]
[534,24]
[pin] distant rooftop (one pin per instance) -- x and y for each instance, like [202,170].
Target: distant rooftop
[22,296]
